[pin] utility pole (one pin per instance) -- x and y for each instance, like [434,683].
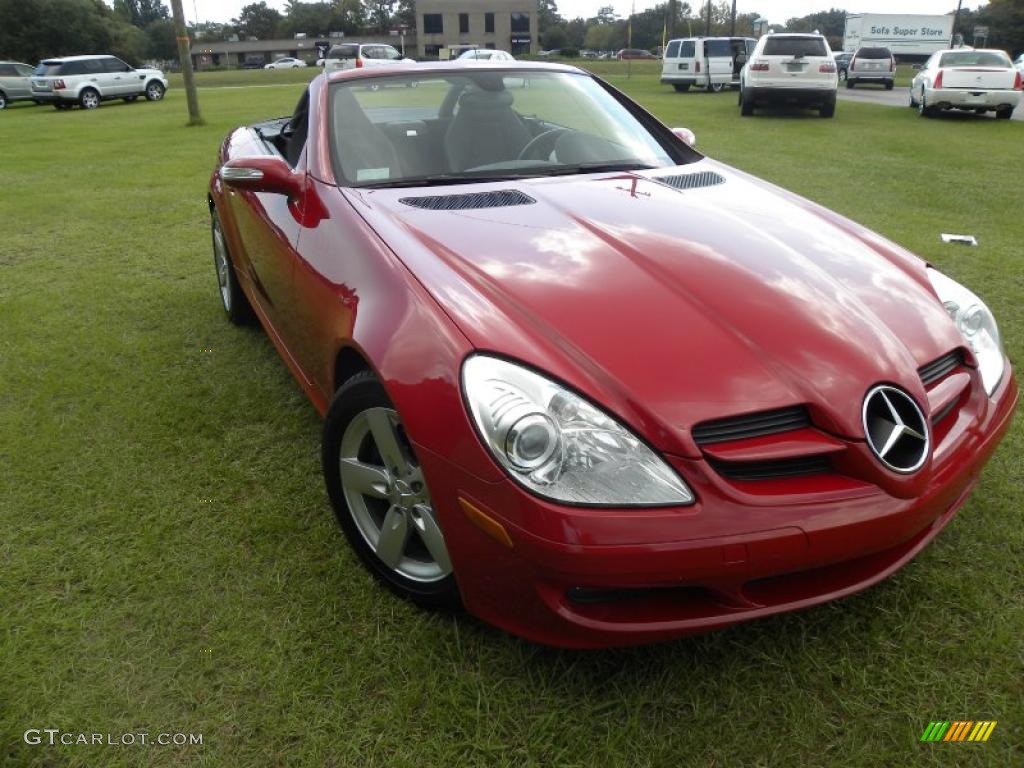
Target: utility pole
[732,29]
[956,20]
[185,57]
[707,26]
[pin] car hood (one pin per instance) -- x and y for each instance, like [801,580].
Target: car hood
[673,306]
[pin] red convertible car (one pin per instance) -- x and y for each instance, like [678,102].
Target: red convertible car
[593,386]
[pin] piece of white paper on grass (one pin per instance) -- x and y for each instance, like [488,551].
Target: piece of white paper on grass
[962,239]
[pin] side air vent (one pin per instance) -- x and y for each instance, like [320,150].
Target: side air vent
[692,180]
[752,425]
[939,369]
[772,470]
[500,199]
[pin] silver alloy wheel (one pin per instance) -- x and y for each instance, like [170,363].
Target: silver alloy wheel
[3,100]
[154,92]
[90,99]
[220,261]
[388,499]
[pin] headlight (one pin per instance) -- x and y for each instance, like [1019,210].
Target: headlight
[974,320]
[560,446]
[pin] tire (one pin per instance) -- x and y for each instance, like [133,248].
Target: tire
[681,87]
[716,87]
[155,90]
[922,107]
[3,100]
[384,490]
[850,83]
[913,101]
[889,85]
[828,109]
[1004,113]
[130,99]
[746,104]
[842,75]
[236,305]
[89,98]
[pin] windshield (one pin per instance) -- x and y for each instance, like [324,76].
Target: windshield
[795,46]
[975,59]
[457,127]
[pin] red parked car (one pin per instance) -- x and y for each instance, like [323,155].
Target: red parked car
[634,53]
[578,378]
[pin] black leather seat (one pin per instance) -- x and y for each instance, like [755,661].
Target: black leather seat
[485,130]
[365,152]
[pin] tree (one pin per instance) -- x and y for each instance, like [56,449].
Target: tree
[141,13]
[162,45]
[310,18]
[257,20]
[548,17]
[1005,22]
[379,13]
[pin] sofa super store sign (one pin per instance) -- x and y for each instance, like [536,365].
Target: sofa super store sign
[897,33]
[918,35]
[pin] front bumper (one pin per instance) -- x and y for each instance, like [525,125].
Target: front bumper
[584,577]
[962,98]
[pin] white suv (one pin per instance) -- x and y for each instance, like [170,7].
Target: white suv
[88,80]
[358,55]
[790,68]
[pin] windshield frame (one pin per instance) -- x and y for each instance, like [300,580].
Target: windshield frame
[678,152]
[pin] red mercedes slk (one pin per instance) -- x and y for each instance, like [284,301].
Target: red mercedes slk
[582,380]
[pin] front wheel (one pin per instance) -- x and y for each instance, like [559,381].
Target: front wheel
[89,98]
[236,305]
[850,83]
[1004,113]
[913,101]
[889,85]
[922,106]
[380,496]
[716,87]
[842,75]
[154,91]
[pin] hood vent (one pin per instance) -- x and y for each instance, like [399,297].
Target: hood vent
[938,369]
[752,425]
[474,200]
[692,180]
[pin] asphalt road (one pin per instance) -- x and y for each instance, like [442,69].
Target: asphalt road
[898,97]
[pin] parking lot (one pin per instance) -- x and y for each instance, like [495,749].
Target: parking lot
[171,563]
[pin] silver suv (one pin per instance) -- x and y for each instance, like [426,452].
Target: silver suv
[88,80]
[14,82]
[872,65]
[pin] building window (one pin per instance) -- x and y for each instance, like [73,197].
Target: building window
[463,23]
[488,23]
[433,24]
[520,22]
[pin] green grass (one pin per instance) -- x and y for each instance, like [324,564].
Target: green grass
[168,560]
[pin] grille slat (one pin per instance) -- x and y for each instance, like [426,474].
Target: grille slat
[752,425]
[940,368]
[773,470]
[500,199]
[692,180]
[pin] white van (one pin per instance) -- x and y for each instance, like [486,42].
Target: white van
[708,62]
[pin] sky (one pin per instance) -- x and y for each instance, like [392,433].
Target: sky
[776,11]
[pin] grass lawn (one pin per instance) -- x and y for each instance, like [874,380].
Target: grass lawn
[169,562]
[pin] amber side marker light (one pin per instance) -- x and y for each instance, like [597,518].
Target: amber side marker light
[486,523]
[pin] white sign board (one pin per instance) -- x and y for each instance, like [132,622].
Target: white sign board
[903,34]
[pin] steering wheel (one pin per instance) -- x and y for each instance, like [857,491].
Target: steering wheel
[541,145]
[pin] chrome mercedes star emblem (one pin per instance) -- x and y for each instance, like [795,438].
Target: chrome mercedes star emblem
[895,428]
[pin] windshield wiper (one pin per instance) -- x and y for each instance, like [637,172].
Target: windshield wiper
[436,180]
[596,167]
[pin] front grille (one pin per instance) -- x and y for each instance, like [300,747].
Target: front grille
[939,369]
[692,180]
[473,200]
[772,470]
[752,425]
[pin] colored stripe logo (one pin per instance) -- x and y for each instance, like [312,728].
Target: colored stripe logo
[958,730]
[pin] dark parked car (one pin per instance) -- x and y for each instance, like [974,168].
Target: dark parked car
[634,53]
[842,64]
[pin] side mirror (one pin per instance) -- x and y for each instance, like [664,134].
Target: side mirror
[685,135]
[261,174]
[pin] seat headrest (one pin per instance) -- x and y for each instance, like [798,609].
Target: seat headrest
[485,100]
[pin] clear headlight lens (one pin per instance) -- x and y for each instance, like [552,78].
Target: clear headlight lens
[560,446]
[977,325]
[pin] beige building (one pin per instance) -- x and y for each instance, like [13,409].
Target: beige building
[508,25]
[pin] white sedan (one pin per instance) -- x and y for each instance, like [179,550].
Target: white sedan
[486,54]
[286,62]
[981,80]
